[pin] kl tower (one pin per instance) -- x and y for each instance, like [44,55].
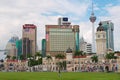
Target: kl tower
[92,19]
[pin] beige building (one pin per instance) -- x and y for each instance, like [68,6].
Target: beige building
[72,63]
[101,40]
[29,38]
[16,65]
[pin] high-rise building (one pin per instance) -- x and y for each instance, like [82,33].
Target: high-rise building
[84,46]
[11,46]
[109,28]
[43,47]
[29,40]
[19,48]
[60,37]
[101,40]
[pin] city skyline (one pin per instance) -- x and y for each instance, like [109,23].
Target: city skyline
[15,13]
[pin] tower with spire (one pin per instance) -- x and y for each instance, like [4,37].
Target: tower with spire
[93,19]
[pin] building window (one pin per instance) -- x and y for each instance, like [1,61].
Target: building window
[103,36]
[98,36]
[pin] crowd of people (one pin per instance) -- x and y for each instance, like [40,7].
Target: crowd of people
[99,67]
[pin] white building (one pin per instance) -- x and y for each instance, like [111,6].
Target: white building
[11,46]
[85,47]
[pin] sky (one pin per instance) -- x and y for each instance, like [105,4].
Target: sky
[15,13]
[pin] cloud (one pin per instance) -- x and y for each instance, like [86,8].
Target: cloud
[86,31]
[15,13]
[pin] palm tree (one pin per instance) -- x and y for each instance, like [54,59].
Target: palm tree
[22,57]
[8,56]
[60,57]
[38,54]
[94,58]
[30,58]
[14,57]
[48,58]
[110,56]
[64,65]
[38,57]
[78,54]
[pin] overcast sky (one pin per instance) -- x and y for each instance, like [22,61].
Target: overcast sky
[15,13]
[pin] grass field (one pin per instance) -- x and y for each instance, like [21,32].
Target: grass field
[54,76]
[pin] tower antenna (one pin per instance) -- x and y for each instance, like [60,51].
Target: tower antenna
[93,19]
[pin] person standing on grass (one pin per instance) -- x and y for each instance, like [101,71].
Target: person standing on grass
[59,73]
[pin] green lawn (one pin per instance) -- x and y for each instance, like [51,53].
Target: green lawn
[54,76]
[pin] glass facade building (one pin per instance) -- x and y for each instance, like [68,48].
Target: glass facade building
[43,47]
[109,28]
[19,47]
[60,38]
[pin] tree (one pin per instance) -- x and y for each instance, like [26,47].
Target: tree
[38,57]
[94,58]
[78,54]
[8,56]
[110,56]
[31,60]
[29,56]
[48,58]
[64,65]
[14,57]
[60,57]
[22,57]
[38,54]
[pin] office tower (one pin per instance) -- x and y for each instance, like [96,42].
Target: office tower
[84,46]
[43,47]
[101,40]
[109,28]
[29,40]
[11,46]
[60,37]
[93,19]
[19,48]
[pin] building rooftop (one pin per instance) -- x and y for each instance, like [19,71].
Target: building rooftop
[100,27]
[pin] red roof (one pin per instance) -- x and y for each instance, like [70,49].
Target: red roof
[29,26]
[16,60]
[79,56]
[118,54]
